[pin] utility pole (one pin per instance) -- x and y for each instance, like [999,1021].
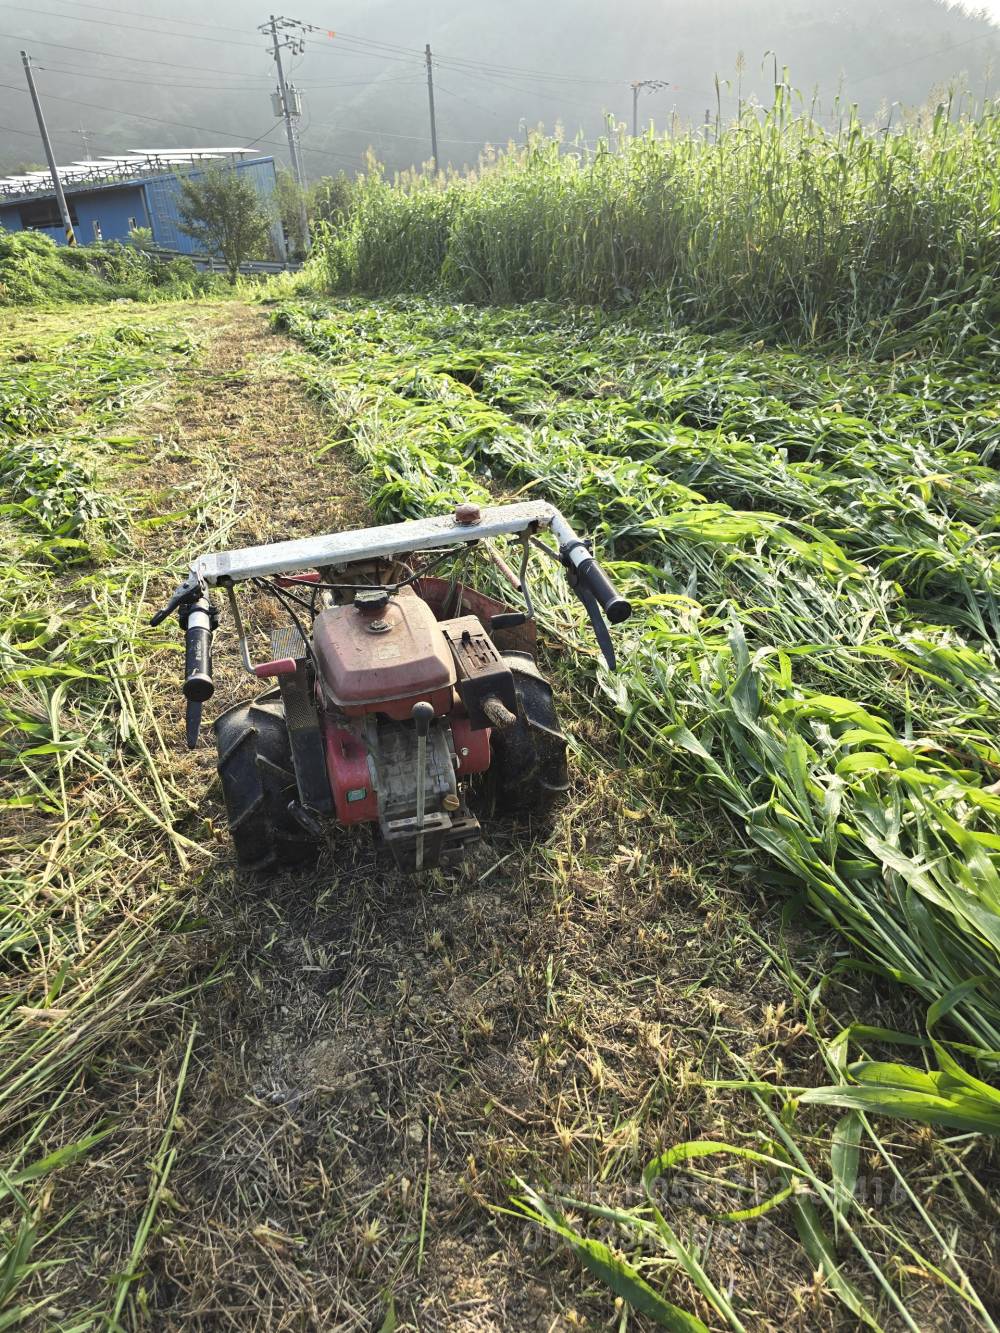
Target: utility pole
[53,169]
[430,101]
[652,85]
[288,108]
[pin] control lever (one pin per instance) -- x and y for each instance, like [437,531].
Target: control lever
[586,573]
[189,591]
[198,619]
[508,620]
[601,632]
[192,722]
[422,715]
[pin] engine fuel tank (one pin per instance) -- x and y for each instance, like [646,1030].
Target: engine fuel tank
[383,659]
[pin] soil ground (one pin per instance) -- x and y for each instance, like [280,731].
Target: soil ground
[376,1061]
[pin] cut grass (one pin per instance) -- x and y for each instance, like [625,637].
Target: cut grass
[376,1061]
[862,760]
[804,667]
[89,921]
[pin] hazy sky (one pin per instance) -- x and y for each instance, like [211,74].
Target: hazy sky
[116,75]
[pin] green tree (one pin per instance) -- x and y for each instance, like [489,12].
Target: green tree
[288,199]
[223,213]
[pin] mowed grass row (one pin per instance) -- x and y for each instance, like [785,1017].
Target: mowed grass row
[774,222]
[91,921]
[817,651]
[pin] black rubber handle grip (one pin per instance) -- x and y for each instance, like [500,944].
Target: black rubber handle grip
[593,578]
[198,683]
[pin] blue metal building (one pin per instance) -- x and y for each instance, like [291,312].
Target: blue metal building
[109,197]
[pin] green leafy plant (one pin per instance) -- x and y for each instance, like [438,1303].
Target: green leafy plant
[223,213]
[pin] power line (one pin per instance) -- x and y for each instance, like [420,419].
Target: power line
[903,64]
[59,134]
[475,64]
[360,83]
[319,125]
[146,83]
[164,18]
[262,138]
[131,27]
[375,49]
[166,64]
[476,67]
[63,68]
[365,55]
[461,65]
[137,60]
[104,147]
[535,92]
[387,134]
[373,41]
[177,124]
[31,134]
[493,115]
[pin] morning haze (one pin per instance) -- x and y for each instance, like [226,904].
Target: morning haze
[205,76]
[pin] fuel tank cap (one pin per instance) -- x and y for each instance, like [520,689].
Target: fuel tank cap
[371,599]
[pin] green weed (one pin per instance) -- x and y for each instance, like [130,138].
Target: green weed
[776,224]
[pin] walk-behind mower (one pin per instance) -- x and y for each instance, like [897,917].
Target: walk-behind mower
[399,687]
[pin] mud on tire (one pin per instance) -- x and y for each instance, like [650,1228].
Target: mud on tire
[258,783]
[528,768]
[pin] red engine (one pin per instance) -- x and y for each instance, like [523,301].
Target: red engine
[382,656]
[407,702]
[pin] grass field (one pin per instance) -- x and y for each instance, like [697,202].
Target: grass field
[314,1103]
[774,223]
[813,540]
[816,546]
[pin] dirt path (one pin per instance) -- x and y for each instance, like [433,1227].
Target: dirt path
[374,1059]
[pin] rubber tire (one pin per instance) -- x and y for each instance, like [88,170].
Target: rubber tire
[258,783]
[528,767]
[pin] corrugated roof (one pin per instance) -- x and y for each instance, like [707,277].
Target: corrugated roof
[106,170]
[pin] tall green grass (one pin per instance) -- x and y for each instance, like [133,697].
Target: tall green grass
[777,224]
[34,270]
